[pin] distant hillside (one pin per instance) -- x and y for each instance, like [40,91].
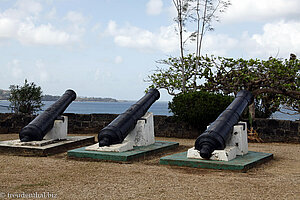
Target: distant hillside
[49,98]
[4,95]
[98,99]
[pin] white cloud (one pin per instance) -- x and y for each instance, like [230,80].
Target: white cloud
[164,40]
[16,71]
[29,6]
[154,7]
[102,74]
[51,14]
[28,33]
[22,23]
[77,22]
[277,39]
[260,10]
[218,44]
[97,74]
[96,27]
[8,27]
[75,17]
[118,59]
[41,70]
[281,36]
[23,10]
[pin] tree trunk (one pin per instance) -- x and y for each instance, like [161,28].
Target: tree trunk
[252,113]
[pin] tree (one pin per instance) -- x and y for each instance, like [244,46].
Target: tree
[171,78]
[273,82]
[26,99]
[181,76]
[199,108]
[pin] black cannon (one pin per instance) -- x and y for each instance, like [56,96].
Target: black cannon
[43,123]
[118,129]
[215,136]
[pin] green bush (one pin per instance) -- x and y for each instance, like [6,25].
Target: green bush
[26,99]
[199,108]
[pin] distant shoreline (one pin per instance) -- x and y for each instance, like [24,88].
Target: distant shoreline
[4,95]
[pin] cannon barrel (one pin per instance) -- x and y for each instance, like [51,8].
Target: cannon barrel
[43,123]
[215,136]
[118,129]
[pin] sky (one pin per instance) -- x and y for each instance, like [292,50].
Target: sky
[107,48]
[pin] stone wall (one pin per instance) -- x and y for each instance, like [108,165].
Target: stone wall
[10,123]
[269,130]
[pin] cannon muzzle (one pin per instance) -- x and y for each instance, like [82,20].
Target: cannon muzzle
[43,123]
[215,136]
[118,129]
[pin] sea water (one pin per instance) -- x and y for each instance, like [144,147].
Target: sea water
[158,108]
[84,107]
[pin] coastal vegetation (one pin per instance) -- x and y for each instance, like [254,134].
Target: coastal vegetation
[199,106]
[5,94]
[26,99]
[274,82]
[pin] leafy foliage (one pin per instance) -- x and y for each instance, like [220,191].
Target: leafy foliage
[171,78]
[198,14]
[25,99]
[273,82]
[199,108]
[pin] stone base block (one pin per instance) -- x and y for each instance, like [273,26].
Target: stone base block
[135,153]
[227,154]
[143,132]
[240,163]
[44,147]
[237,144]
[239,138]
[141,135]
[124,146]
[59,130]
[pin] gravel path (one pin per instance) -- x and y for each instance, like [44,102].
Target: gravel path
[64,178]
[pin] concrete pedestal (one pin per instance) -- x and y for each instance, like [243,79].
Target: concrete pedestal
[59,130]
[240,163]
[135,153]
[237,144]
[44,147]
[234,157]
[55,141]
[141,135]
[139,142]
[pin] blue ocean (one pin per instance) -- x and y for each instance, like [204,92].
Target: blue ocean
[158,108]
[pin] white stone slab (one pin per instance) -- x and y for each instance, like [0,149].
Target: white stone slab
[143,132]
[124,146]
[227,154]
[237,144]
[193,153]
[239,138]
[141,135]
[59,130]
[31,143]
